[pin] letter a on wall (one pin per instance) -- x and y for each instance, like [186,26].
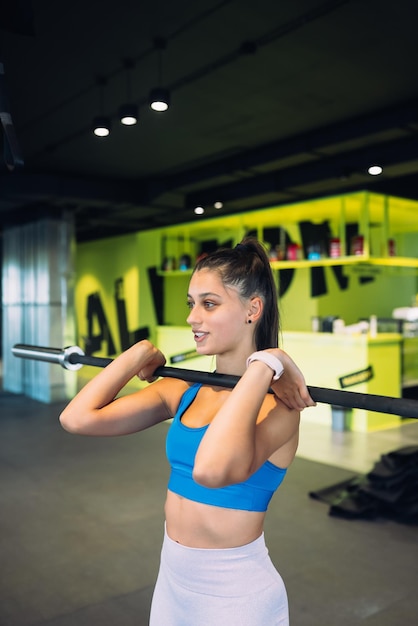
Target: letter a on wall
[96,318]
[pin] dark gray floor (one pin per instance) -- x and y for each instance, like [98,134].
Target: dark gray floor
[81,527]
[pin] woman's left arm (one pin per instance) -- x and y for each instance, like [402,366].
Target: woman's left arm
[236,444]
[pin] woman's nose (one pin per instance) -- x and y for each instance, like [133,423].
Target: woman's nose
[192,317]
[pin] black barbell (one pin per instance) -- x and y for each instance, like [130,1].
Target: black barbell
[73,357]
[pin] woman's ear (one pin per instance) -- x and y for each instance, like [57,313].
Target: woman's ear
[255,309]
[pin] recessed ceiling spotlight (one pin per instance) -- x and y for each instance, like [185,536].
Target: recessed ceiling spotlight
[375,170]
[199,210]
[218,205]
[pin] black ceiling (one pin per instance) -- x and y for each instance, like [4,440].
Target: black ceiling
[271,102]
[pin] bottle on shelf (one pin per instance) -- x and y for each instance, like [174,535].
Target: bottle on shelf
[335,247]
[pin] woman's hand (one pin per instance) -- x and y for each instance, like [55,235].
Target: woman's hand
[291,387]
[155,358]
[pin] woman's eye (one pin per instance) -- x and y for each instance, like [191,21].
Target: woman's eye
[206,304]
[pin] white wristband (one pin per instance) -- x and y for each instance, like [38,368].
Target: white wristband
[270,360]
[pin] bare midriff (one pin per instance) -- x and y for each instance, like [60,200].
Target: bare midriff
[200,525]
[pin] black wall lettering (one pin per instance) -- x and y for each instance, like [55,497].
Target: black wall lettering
[285,280]
[93,343]
[157,290]
[127,338]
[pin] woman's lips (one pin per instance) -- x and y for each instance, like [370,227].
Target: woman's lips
[199,336]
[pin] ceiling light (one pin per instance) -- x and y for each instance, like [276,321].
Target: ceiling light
[218,205]
[199,210]
[375,170]
[128,114]
[101,126]
[159,99]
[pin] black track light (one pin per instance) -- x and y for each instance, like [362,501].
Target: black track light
[101,126]
[128,114]
[159,99]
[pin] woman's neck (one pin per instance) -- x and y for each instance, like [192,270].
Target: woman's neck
[233,364]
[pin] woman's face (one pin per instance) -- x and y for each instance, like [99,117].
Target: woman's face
[217,313]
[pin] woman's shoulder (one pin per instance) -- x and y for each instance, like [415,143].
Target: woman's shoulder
[171,391]
[273,406]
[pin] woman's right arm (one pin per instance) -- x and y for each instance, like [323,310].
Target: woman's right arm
[95,411]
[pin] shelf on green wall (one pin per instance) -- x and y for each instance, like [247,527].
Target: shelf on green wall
[392,261]
[174,273]
[348,260]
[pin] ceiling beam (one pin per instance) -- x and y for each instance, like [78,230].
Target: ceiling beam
[341,166]
[367,126]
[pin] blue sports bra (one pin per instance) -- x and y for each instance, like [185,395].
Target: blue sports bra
[181,446]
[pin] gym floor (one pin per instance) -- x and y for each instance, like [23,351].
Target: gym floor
[81,526]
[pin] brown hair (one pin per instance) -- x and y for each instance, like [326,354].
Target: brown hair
[246,267]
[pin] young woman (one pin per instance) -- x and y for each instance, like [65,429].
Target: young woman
[228,449]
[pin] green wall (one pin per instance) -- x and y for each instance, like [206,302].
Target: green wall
[388,289]
[100,265]
[358,293]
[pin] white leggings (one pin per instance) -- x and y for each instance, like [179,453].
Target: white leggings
[211,587]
